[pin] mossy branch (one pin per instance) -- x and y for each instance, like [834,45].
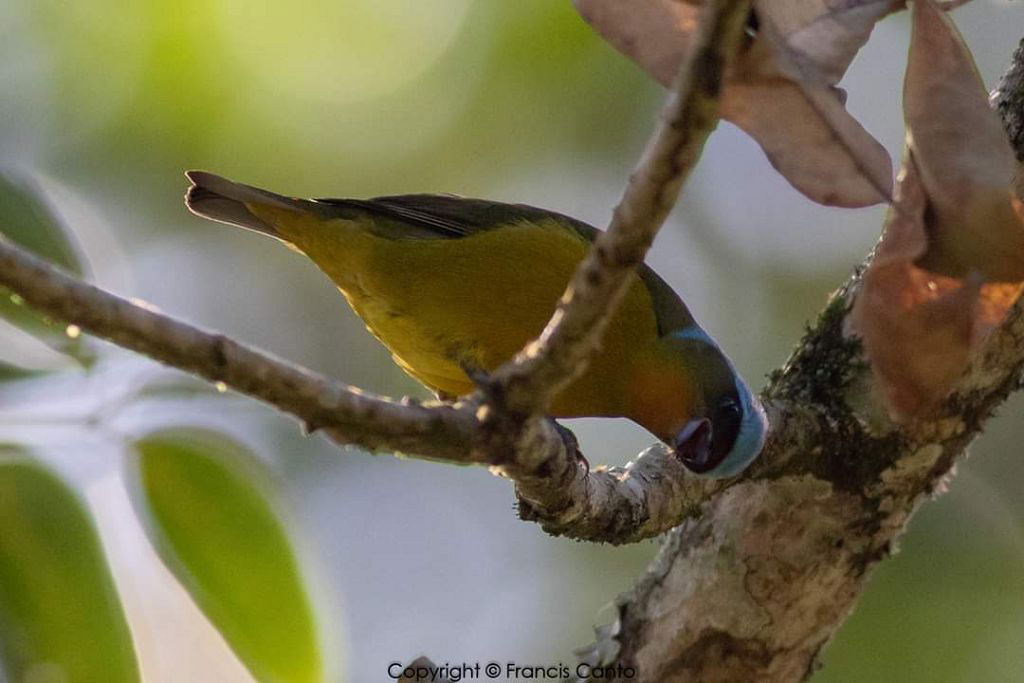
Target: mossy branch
[753,587]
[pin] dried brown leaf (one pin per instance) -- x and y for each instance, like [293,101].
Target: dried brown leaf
[951,260]
[826,33]
[820,147]
[653,33]
[919,329]
[811,154]
[963,155]
[780,91]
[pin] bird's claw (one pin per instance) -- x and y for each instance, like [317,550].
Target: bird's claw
[571,443]
[480,378]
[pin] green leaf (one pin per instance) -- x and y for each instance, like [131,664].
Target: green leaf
[28,221]
[208,509]
[9,372]
[60,615]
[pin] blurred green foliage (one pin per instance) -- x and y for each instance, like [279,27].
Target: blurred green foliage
[29,223]
[60,616]
[207,506]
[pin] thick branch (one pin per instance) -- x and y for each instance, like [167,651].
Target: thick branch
[1008,99]
[754,587]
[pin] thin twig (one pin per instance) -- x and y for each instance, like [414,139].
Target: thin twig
[317,401]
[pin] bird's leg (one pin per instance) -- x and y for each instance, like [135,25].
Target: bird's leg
[571,442]
[480,378]
[483,381]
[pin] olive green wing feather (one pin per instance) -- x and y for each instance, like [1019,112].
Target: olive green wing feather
[448,216]
[669,310]
[414,216]
[452,217]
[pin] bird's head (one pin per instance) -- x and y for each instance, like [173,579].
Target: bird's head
[727,434]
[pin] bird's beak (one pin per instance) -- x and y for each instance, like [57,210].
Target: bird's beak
[693,445]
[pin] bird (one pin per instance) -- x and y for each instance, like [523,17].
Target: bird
[454,286]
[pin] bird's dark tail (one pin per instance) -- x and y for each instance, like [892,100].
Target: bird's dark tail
[225,201]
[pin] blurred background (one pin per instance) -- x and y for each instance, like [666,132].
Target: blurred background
[107,103]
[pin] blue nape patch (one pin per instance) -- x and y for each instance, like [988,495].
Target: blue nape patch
[754,425]
[694,332]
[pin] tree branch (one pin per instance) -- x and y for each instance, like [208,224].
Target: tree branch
[757,584]
[1008,99]
[317,401]
[552,486]
[499,426]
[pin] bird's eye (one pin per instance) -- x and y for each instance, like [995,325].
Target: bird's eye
[728,410]
[725,427]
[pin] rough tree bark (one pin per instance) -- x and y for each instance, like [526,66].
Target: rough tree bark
[753,587]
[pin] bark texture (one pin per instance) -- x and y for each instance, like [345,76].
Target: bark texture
[755,585]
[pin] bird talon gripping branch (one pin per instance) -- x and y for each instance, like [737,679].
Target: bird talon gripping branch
[454,287]
[480,378]
[572,444]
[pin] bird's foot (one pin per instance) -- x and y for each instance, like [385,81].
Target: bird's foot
[571,443]
[480,378]
[486,385]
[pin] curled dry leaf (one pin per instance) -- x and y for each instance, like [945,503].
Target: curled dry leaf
[919,328]
[787,76]
[945,272]
[822,150]
[825,34]
[963,155]
[653,33]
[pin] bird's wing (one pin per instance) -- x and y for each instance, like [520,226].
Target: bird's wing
[450,216]
[669,310]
